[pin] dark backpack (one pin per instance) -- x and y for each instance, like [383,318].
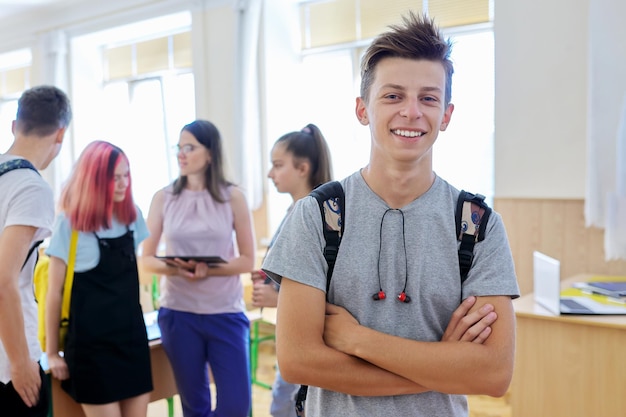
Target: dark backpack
[10,166]
[471,217]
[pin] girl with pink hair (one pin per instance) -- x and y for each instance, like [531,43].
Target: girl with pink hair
[106,362]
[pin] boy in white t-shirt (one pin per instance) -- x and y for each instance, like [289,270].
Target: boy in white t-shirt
[26,217]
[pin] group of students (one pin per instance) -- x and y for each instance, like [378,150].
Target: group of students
[105,363]
[361,356]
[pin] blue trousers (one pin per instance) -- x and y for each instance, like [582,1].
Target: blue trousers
[193,342]
[283,397]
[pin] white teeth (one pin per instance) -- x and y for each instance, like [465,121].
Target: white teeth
[407,133]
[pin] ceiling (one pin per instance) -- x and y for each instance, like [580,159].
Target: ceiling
[11,8]
[20,20]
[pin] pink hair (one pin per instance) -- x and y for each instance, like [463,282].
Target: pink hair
[87,198]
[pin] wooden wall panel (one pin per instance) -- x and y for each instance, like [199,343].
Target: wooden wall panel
[555,227]
[260,222]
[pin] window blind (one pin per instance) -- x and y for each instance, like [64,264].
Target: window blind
[15,80]
[331,23]
[150,56]
[336,22]
[182,50]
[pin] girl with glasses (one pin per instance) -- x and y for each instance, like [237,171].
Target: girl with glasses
[202,312]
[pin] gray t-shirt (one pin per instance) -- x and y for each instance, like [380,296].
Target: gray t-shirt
[433,278]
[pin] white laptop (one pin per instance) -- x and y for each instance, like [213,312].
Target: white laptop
[152,325]
[547,291]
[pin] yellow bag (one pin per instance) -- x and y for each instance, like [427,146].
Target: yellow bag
[41,289]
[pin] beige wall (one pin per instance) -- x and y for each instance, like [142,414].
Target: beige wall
[541,98]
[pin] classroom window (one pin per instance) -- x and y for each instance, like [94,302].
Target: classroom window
[8,109]
[150,113]
[137,92]
[464,154]
[15,76]
[330,102]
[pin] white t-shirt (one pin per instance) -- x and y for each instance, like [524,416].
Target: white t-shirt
[25,199]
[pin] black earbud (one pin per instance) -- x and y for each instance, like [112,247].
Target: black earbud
[404,297]
[380,295]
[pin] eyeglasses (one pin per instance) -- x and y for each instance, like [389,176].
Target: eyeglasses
[185,149]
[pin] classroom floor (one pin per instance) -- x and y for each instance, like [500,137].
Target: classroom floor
[480,406]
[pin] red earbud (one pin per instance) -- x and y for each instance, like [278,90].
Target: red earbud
[404,298]
[380,295]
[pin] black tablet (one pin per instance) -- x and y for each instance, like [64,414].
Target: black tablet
[205,259]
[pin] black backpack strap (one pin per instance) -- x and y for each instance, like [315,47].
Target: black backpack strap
[300,398]
[16,164]
[331,199]
[471,217]
[31,250]
[19,164]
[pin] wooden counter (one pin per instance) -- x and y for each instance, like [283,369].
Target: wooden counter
[570,366]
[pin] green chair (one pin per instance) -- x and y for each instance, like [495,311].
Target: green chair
[258,317]
[155,304]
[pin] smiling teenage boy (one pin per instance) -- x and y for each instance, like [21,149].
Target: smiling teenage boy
[373,356]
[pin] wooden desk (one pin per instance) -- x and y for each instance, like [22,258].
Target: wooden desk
[162,379]
[570,366]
